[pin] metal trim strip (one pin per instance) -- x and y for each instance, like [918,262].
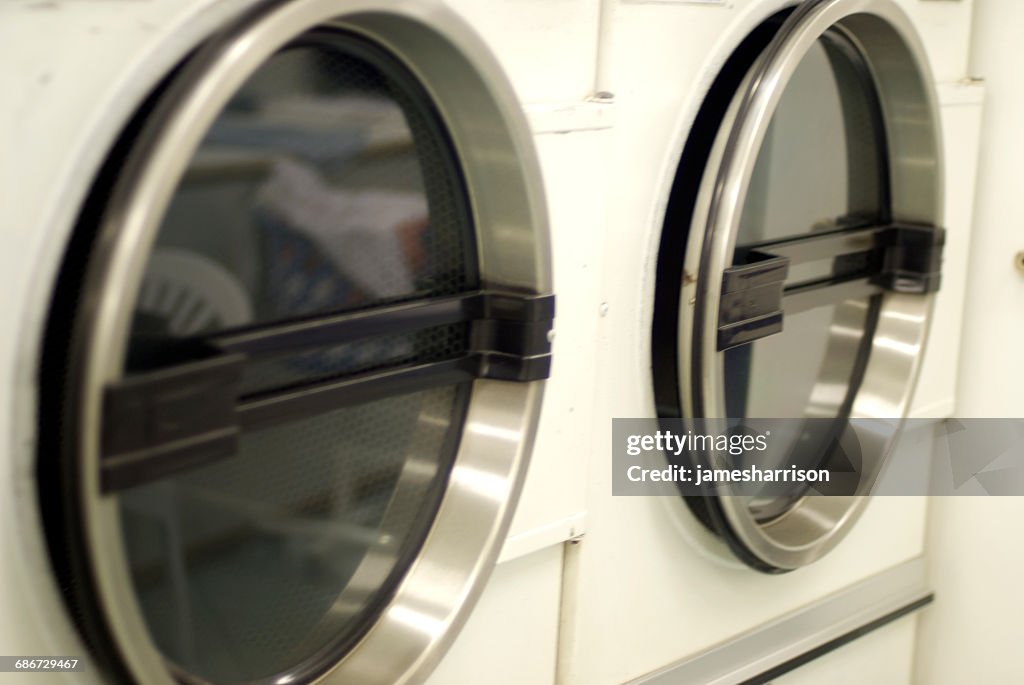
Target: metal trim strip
[785,640]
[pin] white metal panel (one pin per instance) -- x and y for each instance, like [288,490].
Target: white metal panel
[992,365]
[19,633]
[972,634]
[574,166]
[945,27]
[511,637]
[547,47]
[644,597]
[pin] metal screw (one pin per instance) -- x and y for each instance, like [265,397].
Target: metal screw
[1018,261]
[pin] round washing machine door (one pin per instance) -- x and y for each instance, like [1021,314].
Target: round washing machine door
[296,355]
[797,268]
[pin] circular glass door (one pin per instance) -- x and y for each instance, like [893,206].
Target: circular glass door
[796,273]
[303,371]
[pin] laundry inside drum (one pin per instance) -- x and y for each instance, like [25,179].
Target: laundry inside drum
[327,184]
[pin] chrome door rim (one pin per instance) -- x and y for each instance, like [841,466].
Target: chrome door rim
[434,598]
[901,74]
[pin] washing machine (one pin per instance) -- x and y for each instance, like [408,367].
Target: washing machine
[279,298]
[785,238]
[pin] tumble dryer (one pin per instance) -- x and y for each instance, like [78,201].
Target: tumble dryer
[279,303]
[785,235]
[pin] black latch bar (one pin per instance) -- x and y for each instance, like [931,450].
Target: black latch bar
[167,420]
[270,409]
[170,419]
[751,305]
[903,258]
[913,259]
[405,317]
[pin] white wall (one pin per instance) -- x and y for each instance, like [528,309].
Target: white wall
[972,634]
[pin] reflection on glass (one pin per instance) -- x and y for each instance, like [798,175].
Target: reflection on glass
[327,184]
[817,169]
[247,567]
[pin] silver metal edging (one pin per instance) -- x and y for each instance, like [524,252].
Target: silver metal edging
[797,633]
